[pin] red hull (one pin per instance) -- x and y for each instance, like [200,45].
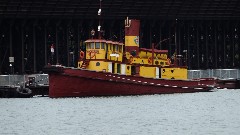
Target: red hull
[67,82]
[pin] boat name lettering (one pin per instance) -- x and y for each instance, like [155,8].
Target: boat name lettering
[93,51]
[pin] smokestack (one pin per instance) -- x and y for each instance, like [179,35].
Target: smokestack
[132,36]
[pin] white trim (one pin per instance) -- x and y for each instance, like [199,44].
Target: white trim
[110,67]
[114,55]
[123,69]
[157,72]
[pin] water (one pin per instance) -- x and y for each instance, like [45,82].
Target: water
[214,113]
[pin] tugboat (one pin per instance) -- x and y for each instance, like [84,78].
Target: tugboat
[110,68]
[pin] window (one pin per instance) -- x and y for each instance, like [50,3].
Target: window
[116,48]
[97,46]
[103,46]
[120,48]
[92,46]
[88,46]
[113,47]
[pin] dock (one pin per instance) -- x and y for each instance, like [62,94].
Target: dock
[15,86]
[7,91]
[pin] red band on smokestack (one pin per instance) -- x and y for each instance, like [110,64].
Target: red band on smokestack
[133,30]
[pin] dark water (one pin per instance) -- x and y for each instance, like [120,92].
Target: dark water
[214,113]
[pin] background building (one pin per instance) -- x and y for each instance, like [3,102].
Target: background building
[207,32]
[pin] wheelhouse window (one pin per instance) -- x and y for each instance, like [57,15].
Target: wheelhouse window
[97,46]
[92,46]
[88,46]
[103,46]
[120,48]
[109,46]
[116,48]
[113,47]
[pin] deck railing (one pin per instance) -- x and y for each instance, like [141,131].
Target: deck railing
[17,80]
[217,73]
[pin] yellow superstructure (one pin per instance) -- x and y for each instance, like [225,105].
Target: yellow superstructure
[107,56]
[128,58]
[114,51]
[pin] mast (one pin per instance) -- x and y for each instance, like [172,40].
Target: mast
[176,46]
[99,21]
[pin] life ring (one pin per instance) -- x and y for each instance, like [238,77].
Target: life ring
[23,92]
[150,60]
[131,59]
[81,54]
[168,61]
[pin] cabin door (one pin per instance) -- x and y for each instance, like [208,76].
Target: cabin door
[118,68]
[113,67]
[159,71]
[133,70]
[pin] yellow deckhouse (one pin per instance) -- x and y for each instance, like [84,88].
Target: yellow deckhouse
[102,55]
[109,56]
[128,58]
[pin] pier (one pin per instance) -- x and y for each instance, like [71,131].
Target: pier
[10,84]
